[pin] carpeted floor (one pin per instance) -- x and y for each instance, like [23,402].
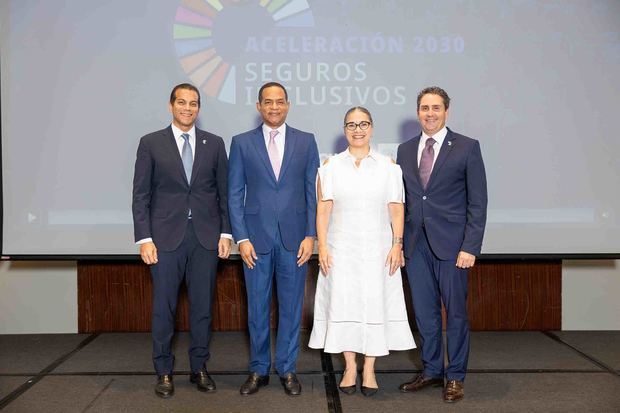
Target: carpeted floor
[564,371]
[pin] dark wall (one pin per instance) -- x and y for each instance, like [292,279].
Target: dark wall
[503,295]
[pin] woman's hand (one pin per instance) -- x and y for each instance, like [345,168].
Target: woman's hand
[394,258]
[325,259]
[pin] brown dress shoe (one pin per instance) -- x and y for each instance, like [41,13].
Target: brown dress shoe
[203,381]
[292,386]
[164,387]
[419,382]
[253,383]
[453,392]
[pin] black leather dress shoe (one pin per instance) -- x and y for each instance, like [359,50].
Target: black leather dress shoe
[419,382]
[203,381]
[369,391]
[292,386]
[164,387]
[253,383]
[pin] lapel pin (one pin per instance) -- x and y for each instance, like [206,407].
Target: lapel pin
[204,141]
[449,143]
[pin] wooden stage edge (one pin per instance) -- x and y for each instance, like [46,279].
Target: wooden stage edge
[503,295]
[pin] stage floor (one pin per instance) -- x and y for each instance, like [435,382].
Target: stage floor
[560,371]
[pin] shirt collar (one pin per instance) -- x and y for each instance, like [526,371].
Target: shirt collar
[281,130]
[371,154]
[439,136]
[178,132]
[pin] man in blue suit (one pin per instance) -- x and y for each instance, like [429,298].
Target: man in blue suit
[446,204]
[272,206]
[180,217]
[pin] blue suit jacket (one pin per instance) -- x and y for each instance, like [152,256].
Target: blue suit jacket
[453,208]
[260,205]
[162,196]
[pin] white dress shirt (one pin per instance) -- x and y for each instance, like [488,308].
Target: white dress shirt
[439,138]
[180,141]
[279,139]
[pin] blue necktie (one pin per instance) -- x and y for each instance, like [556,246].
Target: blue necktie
[188,161]
[186,157]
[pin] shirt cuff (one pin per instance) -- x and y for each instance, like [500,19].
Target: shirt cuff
[241,240]
[225,235]
[144,241]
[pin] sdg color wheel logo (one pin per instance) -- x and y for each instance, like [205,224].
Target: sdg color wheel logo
[210,36]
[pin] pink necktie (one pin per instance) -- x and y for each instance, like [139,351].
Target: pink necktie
[426,162]
[274,157]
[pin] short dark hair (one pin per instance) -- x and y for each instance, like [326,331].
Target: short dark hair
[270,84]
[434,90]
[357,108]
[186,86]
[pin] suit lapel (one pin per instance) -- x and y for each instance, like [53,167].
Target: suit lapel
[444,152]
[171,143]
[259,144]
[416,171]
[199,153]
[289,147]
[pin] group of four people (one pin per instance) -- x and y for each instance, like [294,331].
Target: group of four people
[370,215]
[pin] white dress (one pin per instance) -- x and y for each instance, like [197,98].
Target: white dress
[359,307]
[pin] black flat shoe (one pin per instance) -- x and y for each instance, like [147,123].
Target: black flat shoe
[369,391]
[348,389]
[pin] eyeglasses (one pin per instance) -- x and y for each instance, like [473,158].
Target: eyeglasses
[351,126]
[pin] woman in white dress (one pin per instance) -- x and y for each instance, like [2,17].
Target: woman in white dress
[359,305]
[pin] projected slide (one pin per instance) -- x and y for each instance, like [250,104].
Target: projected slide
[533,81]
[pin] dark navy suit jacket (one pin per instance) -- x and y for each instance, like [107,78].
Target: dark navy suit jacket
[162,197]
[260,205]
[453,208]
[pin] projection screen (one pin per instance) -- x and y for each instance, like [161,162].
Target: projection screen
[534,81]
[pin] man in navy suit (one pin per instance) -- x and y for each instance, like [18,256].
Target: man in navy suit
[272,205]
[181,223]
[446,204]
